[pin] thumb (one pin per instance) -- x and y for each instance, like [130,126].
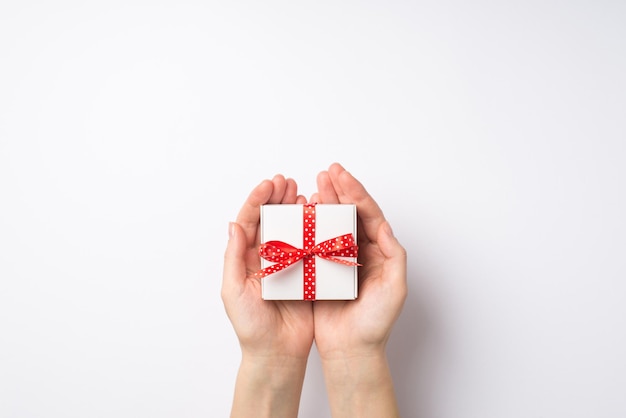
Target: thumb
[234,272]
[395,268]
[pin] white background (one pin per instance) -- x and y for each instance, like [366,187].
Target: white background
[492,133]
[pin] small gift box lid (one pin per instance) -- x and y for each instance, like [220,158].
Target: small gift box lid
[331,280]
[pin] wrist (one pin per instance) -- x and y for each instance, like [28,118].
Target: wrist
[360,385]
[332,351]
[276,354]
[343,368]
[268,386]
[283,366]
[277,350]
[273,374]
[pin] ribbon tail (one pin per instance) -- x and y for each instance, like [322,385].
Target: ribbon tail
[269,270]
[338,260]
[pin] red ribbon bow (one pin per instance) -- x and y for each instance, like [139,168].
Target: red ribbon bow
[285,255]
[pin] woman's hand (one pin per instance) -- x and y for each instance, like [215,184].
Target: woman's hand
[351,336]
[275,336]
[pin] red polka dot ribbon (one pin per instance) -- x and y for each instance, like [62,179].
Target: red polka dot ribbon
[285,255]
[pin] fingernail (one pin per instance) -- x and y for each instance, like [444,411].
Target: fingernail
[231,230]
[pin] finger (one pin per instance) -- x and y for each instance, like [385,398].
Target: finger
[326,192]
[280,185]
[334,171]
[367,209]
[234,271]
[301,200]
[315,198]
[249,214]
[291,191]
[395,265]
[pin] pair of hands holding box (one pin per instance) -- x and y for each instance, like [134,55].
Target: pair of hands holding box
[350,335]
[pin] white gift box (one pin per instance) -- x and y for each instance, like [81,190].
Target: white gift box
[332,280]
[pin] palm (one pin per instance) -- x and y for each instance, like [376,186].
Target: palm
[271,325]
[276,327]
[366,321]
[341,324]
